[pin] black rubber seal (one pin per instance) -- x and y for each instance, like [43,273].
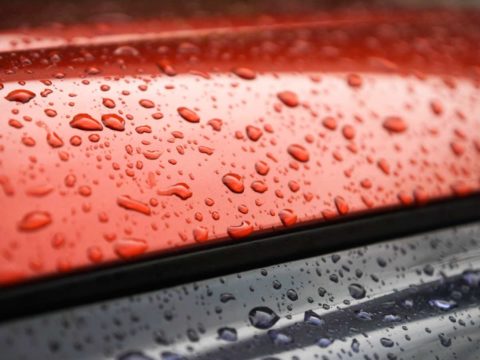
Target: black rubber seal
[229,257]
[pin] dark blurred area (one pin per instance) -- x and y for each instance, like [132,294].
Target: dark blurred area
[34,13]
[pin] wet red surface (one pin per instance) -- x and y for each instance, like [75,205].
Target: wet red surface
[115,144]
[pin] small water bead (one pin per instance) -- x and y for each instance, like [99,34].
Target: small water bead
[108,103]
[279,338]
[354,80]
[341,205]
[262,168]
[245,73]
[386,342]
[130,247]
[289,98]
[395,124]
[147,104]
[216,124]
[298,152]
[189,115]
[254,133]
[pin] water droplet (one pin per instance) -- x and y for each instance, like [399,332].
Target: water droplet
[312,318]
[21,95]
[386,342]
[227,334]
[354,80]
[279,338]
[226,297]
[200,234]
[348,132]
[109,103]
[262,168]
[444,340]
[342,205]
[383,165]
[298,152]
[85,122]
[330,123]
[240,231]
[114,122]
[35,220]
[54,140]
[39,191]
[216,124]
[288,217]
[189,115]
[292,295]
[234,182]
[254,133]
[324,342]
[395,124]
[443,304]
[259,186]
[262,317]
[181,190]
[128,203]
[147,104]
[244,73]
[130,247]
[356,291]
[355,346]
[289,98]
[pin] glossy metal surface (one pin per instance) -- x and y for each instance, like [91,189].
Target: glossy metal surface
[410,298]
[117,142]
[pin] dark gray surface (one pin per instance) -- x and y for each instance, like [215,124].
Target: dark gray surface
[409,283]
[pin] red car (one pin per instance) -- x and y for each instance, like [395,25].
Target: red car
[148,145]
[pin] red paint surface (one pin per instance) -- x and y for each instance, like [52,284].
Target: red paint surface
[140,143]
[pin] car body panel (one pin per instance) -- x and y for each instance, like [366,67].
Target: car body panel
[412,297]
[221,132]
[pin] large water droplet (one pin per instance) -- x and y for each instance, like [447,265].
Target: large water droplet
[240,231]
[234,182]
[21,95]
[114,122]
[262,317]
[85,122]
[34,220]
